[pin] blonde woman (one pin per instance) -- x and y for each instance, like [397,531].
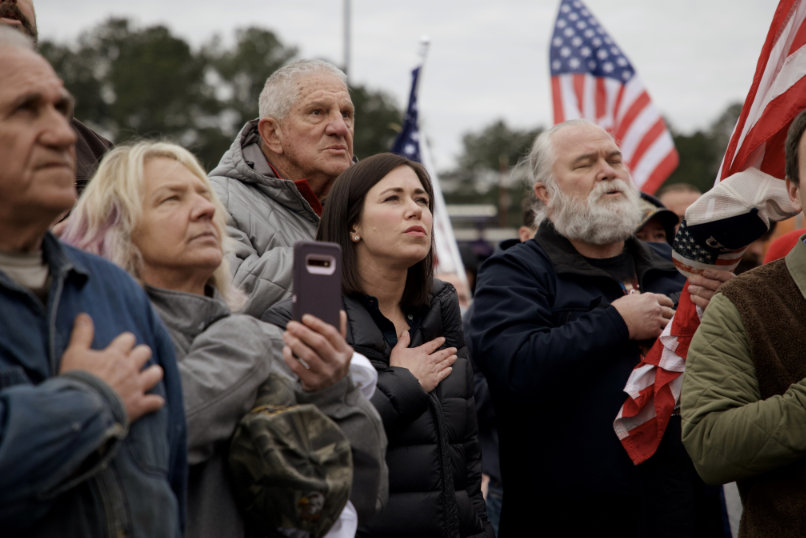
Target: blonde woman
[150,208]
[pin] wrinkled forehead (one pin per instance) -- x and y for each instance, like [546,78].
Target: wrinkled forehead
[23,72]
[577,140]
[320,86]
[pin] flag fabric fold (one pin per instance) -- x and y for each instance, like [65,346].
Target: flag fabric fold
[654,385]
[591,78]
[777,95]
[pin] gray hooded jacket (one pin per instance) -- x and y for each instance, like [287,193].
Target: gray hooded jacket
[223,359]
[266,216]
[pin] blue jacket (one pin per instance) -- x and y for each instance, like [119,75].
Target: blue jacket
[557,356]
[71,464]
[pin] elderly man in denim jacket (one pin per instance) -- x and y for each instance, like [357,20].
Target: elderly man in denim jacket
[92,429]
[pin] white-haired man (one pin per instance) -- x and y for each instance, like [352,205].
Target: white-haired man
[90,146]
[560,321]
[92,436]
[278,171]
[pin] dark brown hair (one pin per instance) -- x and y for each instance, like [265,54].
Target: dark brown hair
[343,209]
[792,142]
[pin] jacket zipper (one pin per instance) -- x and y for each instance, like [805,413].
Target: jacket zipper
[112,500]
[51,319]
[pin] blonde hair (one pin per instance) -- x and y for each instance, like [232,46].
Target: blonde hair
[111,207]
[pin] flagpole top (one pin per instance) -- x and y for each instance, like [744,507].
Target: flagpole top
[425,41]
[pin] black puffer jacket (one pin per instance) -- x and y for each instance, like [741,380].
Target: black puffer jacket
[433,455]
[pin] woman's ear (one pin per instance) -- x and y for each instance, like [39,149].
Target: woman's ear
[355,233]
[793,190]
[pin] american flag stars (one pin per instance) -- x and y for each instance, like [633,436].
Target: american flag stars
[578,39]
[592,78]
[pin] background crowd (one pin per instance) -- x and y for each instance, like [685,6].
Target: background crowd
[154,383]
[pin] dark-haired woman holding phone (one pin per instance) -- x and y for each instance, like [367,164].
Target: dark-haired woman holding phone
[408,324]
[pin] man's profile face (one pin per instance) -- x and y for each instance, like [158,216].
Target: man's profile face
[37,143]
[585,155]
[317,132]
[19,14]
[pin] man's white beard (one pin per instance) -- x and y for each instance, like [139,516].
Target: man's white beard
[597,221]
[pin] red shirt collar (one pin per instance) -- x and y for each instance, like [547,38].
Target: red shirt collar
[304,189]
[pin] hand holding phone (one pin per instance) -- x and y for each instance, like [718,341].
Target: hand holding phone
[317,281]
[316,349]
[317,352]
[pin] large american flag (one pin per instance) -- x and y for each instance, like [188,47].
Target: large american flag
[777,95]
[591,78]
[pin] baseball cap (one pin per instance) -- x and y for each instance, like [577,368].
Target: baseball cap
[291,465]
[652,208]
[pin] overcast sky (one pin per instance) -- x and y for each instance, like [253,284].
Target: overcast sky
[488,59]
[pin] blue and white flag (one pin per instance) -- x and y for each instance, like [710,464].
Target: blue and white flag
[407,142]
[410,144]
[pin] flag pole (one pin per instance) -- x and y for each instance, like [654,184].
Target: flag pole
[442,220]
[347,36]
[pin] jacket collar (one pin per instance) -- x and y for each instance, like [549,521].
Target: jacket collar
[246,151]
[188,313]
[62,263]
[362,331]
[61,260]
[796,264]
[567,260]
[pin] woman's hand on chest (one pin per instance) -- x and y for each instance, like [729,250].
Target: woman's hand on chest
[425,363]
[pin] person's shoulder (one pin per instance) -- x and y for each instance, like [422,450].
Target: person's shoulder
[278,314]
[441,289]
[446,300]
[662,249]
[758,279]
[245,327]
[526,258]
[111,283]
[527,251]
[96,142]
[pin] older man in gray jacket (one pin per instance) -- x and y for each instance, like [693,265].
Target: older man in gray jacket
[278,170]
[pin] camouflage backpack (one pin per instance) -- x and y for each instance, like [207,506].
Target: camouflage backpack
[291,465]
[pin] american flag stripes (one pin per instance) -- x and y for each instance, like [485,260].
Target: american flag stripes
[777,95]
[591,78]
[654,385]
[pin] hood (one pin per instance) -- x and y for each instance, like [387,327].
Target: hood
[188,313]
[244,161]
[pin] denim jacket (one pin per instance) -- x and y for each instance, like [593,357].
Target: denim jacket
[71,463]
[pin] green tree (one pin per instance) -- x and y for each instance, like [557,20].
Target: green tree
[241,73]
[140,82]
[489,161]
[701,153]
[377,121]
[132,82]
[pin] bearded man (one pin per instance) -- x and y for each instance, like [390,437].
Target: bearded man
[559,323]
